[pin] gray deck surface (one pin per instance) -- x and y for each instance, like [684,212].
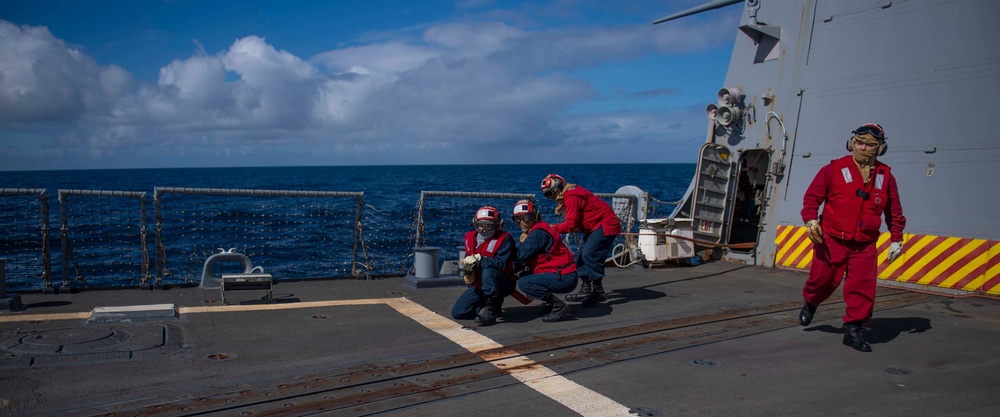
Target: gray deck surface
[719,339]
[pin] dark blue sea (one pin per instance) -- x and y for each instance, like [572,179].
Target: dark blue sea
[323,234]
[384,186]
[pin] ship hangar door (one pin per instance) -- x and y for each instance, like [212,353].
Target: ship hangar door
[749,199]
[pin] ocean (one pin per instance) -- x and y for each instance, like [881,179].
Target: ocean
[296,240]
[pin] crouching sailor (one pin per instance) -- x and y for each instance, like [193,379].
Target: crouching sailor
[855,191]
[548,261]
[488,269]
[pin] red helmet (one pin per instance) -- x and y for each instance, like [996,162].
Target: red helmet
[487,215]
[525,209]
[552,185]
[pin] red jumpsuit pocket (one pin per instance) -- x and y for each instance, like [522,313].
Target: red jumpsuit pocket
[870,223]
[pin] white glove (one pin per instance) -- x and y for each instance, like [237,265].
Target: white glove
[895,249]
[472,260]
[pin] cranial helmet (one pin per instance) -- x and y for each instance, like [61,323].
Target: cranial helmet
[873,129]
[525,210]
[552,185]
[487,215]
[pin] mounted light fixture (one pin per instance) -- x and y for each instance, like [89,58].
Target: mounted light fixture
[729,96]
[728,114]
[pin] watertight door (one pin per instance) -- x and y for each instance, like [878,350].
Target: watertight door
[750,184]
[711,193]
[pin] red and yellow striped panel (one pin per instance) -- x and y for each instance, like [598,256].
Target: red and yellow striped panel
[947,262]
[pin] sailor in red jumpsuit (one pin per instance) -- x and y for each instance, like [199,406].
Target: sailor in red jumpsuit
[488,269]
[547,263]
[855,191]
[585,213]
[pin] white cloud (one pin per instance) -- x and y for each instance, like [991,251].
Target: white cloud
[458,87]
[43,80]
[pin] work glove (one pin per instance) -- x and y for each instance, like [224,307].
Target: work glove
[814,231]
[472,260]
[468,268]
[895,249]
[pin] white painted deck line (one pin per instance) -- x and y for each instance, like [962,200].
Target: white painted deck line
[580,399]
[576,397]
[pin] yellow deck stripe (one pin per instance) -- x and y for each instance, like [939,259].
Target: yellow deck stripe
[925,260]
[990,274]
[801,247]
[951,260]
[785,245]
[969,268]
[785,230]
[911,249]
[13,318]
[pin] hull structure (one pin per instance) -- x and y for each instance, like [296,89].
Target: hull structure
[804,74]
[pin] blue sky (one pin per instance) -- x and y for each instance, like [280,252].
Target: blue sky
[179,83]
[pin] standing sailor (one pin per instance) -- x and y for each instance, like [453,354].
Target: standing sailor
[548,261]
[587,214]
[856,191]
[488,269]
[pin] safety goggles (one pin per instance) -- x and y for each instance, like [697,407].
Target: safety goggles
[486,227]
[521,217]
[872,129]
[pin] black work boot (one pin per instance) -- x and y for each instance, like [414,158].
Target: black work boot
[584,293]
[597,294]
[498,306]
[546,308]
[853,337]
[559,309]
[806,315]
[487,315]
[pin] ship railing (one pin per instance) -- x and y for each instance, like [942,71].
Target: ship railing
[104,235]
[276,236]
[27,246]
[96,220]
[465,206]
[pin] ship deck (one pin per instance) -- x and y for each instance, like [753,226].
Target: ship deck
[718,339]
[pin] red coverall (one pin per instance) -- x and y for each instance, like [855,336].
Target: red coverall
[852,215]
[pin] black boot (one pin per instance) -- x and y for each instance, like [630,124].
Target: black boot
[853,337]
[559,309]
[498,306]
[584,293]
[487,315]
[546,308]
[597,294]
[806,315]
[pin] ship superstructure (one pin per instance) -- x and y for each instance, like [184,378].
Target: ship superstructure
[803,74]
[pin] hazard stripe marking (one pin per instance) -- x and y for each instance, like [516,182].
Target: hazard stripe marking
[936,261]
[545,381]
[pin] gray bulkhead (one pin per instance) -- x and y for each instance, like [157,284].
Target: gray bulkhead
[928,71]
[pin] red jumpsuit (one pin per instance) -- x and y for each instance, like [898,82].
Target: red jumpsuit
[852,215]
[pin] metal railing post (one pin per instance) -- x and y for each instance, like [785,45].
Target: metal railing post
[357,234]
[64,236]
[43,202]
[158,231]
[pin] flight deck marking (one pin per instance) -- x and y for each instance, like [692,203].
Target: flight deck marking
[537,377]
[545,381]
